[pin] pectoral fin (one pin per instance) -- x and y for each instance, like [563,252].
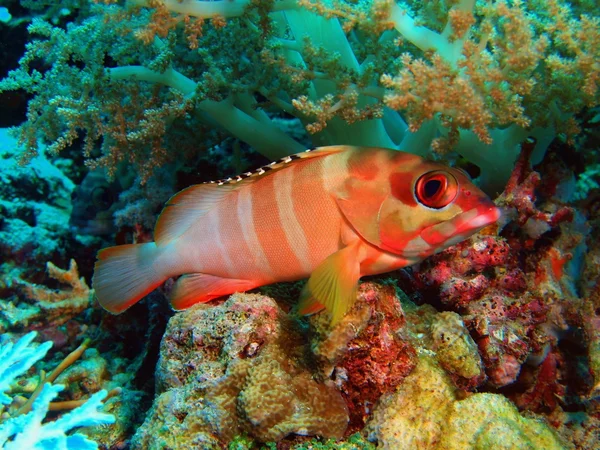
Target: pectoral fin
[333,284]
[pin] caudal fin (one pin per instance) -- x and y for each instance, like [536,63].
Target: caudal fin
[124,274]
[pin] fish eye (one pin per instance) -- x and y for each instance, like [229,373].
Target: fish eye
[436,189]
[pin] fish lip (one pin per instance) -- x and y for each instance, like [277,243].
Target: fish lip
[461,226]
[487,214]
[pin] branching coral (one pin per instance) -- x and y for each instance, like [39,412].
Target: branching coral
[25,428]
[48,307]
[477,77]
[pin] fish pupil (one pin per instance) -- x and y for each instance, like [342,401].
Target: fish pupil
[432,187]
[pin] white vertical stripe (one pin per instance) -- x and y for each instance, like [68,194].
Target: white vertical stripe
[244,213]
[335,170]
[214,218]
[294,233]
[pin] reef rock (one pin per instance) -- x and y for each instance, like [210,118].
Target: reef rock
[239,367]
[427,413]
[365,352]
[35,204]
[456,350]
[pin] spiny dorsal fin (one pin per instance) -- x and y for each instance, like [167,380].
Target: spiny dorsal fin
[280,164]
[188,205]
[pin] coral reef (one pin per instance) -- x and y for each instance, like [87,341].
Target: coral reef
[426,413]
[516,291]
[590,291]
[45,307]
[244,368]
[492,343]
[233,368]
[364,352]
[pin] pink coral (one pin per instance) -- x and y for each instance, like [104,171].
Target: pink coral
[519,197]
[515,290]
[458,271]
[369,356]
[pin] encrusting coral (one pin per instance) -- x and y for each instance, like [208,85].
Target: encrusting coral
[234,368]
[427,413]
[276,398]
[364,352]
[456,351]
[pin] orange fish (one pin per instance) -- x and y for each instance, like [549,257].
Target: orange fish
[333,214]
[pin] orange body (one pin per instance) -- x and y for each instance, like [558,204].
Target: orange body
[332,214]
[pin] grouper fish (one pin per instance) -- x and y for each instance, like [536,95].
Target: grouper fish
[330,214]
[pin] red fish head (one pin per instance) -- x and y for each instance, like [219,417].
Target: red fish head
[431,207]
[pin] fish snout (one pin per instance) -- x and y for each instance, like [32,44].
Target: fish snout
[461,226]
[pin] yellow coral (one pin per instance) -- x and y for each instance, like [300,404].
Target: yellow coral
[278,399]
[485,421]
[456,351]
[426,413]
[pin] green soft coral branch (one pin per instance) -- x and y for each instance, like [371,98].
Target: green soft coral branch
[426,39]
[256,130]
[209,9]
[330,34]
[404,75]
[200,9]
[327,33]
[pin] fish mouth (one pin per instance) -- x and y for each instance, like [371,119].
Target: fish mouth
[461,226]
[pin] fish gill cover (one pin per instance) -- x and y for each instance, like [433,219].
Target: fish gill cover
[120,104]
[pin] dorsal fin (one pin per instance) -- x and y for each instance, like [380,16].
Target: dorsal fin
[188,205]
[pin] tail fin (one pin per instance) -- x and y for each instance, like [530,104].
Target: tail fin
[124,274]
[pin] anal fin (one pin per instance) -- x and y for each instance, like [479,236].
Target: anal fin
[195,288]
